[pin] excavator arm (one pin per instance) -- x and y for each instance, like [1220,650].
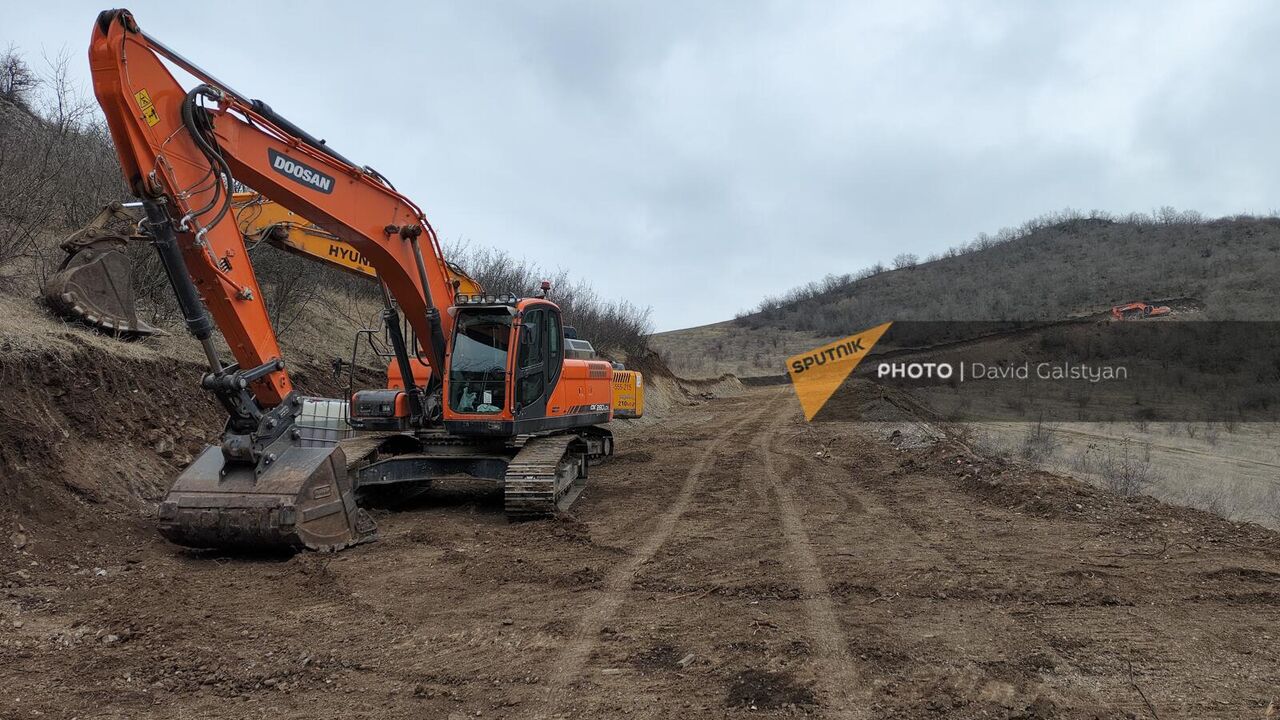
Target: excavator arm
[180,150]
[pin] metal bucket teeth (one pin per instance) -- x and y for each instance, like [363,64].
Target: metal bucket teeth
[95,287]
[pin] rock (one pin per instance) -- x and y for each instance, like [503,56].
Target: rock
[164,447]
[110,639]
[508,621]
[17,624]
[19,540]
[998,692]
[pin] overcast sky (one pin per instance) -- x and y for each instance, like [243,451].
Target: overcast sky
[696,156]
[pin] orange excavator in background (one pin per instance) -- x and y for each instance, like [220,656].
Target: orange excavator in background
[480,385]
[1138,311]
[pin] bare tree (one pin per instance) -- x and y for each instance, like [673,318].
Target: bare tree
[17,81]
[614,327]
[905,260]
[57,164]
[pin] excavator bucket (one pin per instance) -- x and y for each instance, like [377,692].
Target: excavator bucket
[94,286]
[301,500]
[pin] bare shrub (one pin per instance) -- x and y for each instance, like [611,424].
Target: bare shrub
[289,284]
[1085,460]
[986,444]
[1270,504]
[1040,442]
[1211,433]
[1215,498]
[1126,472]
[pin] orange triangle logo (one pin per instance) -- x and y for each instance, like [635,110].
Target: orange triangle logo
[816,374]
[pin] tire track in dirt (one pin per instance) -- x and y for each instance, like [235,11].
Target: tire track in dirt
[572,659]
[841,680]
[895,517]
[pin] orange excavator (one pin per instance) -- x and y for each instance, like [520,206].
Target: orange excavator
[1138,311]
[479,385]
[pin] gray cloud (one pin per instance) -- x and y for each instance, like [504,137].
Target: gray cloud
[693,156]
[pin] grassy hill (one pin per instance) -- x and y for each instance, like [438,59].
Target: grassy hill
[1053,267]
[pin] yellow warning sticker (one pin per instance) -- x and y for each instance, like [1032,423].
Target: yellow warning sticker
[148,109]
[817,374]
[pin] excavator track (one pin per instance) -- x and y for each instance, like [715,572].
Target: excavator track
[546,476]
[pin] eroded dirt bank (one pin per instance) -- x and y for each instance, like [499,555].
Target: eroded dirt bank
[733,561]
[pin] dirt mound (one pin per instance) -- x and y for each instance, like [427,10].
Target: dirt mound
[96,428]
[665,391]
[91,427]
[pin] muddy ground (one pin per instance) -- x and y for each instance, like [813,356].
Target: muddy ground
[732,561]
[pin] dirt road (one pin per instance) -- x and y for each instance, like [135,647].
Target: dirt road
[731,562]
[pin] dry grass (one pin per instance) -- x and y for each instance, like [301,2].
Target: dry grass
[1236,475]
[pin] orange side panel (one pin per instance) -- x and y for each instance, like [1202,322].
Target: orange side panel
[583,383]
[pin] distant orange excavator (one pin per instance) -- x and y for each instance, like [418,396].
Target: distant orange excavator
[1139,311]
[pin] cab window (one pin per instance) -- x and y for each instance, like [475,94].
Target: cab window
[478,366]
[532,357]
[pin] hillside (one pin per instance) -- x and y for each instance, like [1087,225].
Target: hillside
[1046,270]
